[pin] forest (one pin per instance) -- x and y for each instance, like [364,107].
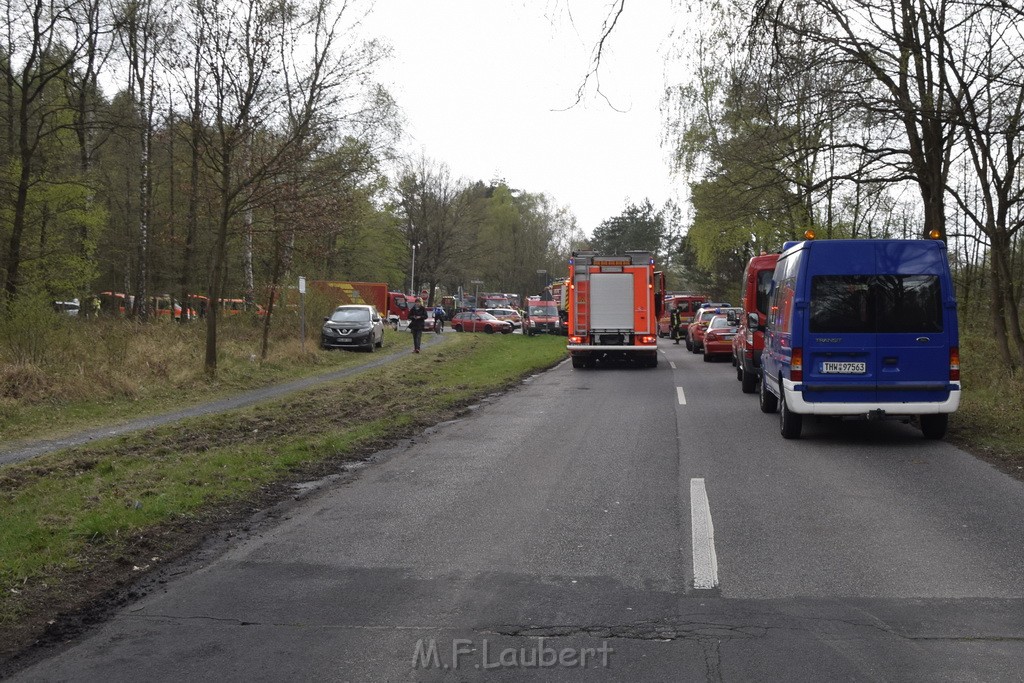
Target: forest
[225,147]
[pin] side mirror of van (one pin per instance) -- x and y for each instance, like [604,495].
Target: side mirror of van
[752,322]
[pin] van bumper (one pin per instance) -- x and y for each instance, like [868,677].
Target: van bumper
[795,401]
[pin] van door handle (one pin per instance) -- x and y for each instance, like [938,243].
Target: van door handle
[923,340]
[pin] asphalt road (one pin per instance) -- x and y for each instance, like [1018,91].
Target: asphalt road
[608,525]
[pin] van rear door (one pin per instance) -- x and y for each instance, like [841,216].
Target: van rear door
[913,336]
[840,363]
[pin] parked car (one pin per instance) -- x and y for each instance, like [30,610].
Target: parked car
[718,336]
[508,314]
[355,326]
[480,321]
[862,329]
[71,307]
[703,316]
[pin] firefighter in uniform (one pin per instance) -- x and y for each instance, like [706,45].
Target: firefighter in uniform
[675,321]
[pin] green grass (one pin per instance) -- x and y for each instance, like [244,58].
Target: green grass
[990,421]
[78,511]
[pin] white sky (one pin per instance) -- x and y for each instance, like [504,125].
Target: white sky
[481,81]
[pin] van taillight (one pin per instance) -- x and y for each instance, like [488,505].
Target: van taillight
[954,363]
[796,366]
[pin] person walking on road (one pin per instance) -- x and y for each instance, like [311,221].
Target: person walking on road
[675,321]
[417,314]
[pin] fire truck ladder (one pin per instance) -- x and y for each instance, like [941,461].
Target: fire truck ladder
[581,304]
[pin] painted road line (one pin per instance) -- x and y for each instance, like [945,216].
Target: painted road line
[672,364]
[681,396]
[705,561]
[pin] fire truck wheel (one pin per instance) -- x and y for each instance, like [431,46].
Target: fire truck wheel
[579,362]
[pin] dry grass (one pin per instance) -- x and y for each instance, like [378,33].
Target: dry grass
[80,370]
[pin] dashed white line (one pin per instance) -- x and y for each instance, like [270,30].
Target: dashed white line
[681,396]
[705,561]
[672,364]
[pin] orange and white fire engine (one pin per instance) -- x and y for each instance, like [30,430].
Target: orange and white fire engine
[614,306]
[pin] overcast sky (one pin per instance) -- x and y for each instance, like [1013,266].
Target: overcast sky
[488,86]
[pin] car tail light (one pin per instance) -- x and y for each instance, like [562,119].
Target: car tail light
[796,365]
[954,363]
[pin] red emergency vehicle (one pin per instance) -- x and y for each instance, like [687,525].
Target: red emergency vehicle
[687,305]
[749,341]
[614,306]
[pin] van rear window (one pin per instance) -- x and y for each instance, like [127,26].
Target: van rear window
[876,303]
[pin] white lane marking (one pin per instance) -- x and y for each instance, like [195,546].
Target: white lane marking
[672,364]
[705,561]
[681,396]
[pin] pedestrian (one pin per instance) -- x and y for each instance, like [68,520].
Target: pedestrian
[675,321]
[417,314]
[439,316]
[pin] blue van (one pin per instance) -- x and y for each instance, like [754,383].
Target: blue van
[861,328]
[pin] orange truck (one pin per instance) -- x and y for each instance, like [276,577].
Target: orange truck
[614,306]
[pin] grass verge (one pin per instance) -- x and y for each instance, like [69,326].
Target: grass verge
[114,369]
[80,523]
[990,421]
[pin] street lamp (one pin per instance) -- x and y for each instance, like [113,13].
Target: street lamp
[412,273]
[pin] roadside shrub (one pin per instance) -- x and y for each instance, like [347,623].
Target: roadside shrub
[30,331]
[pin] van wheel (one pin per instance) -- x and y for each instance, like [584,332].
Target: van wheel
[934,426]
[790,423]
[749,380]
[767,400]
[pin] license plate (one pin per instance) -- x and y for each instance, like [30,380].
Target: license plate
[843,368]
[728,336]
[344,340]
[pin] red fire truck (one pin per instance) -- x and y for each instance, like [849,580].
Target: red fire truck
[614,306]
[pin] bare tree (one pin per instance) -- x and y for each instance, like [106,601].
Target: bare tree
[143,29]
[279,72]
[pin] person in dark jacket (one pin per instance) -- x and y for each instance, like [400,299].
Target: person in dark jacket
[417,314]
[675,321]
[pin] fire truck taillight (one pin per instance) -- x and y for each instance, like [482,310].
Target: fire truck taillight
[575,340]
[648,339]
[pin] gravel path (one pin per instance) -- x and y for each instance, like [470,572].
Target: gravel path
[23,450]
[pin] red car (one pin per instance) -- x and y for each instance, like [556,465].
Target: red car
[718,337]
[480,321]
[695,332]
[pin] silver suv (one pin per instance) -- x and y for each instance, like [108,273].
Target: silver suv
[355,326]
